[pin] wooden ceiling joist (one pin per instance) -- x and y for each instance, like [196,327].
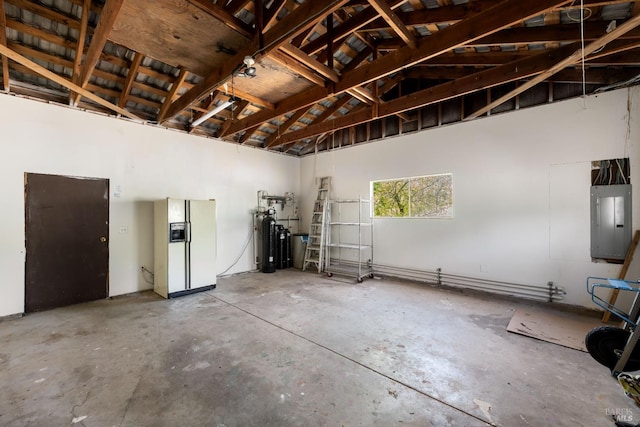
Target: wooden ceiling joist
[550,33]
[236,6]
[595,76]
[175,87]
[311,53]
[484,79]
[487,22]
[272,13]
[337,105]
[561,65]
[477,26]
[310,62]
[285,127]
[297,67]
[396,24]
[46,12]
[14,56]
[105,23]
[82,34]
[131,77]
[3,41]
[297,21]
[224,16]
[41,34]
[363,18]
[443,14]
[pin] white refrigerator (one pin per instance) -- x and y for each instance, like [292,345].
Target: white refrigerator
[185,246]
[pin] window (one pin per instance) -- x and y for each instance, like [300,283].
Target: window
[418,197]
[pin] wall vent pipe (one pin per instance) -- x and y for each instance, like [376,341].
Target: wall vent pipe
[548,292]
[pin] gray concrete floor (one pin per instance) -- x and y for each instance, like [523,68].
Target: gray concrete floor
[296,349]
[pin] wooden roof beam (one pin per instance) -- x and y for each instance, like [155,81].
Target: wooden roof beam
[570,60]
[284,128]
[82,36]
[613,48]
[438,73]
[443,14]
[516,70]
[105,23]
[42,34]
[310,62]
[360,20]
[131,77]
[213,100]
[550,34]
[494,19]
[364,95]
[360,58]
[288,27]
[529,35]
[340,102]
[390,83]
[630,59]
[48,13]
[3,41]
[396,24]
[224,16]
[332,48]
[596,76]
[271,14]
[238,93]
[488,21]
[300,38]
[357,95]
[297,67]
[175,87]
[236,6]
[14,56]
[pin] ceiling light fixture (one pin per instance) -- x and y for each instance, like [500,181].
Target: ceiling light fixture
[213,112]
[249,68]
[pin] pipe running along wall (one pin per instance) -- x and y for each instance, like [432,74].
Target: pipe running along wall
[548,292]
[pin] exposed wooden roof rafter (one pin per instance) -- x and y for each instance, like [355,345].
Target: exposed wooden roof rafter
[561,65]
[63,82]
[323,68]
[224,15]
[397,25]
[175,87]
[297,21]
[516,70]
[131,77]
[107,18]
[487,22]
[3,41]
[82,35]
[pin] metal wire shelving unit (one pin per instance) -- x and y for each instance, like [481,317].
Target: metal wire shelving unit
[350,239]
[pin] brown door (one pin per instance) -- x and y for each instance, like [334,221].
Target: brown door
[67,226]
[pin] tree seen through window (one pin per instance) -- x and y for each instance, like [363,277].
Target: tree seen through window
[418,197]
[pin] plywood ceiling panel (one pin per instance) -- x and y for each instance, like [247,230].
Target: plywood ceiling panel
[175,32]
[273,82]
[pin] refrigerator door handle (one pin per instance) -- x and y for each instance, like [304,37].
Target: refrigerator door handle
[188,233]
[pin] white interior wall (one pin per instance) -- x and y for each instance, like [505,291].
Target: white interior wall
[521,191]
[143,163]
[521,188]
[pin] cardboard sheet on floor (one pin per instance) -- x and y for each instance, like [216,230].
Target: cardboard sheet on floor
[565,329]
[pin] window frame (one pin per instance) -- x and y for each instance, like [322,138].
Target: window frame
[450,216]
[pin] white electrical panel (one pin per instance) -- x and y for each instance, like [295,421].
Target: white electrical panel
[610,221]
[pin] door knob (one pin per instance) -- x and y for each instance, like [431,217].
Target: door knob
[103,239]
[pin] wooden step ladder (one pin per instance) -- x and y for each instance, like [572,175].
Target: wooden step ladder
[317,241]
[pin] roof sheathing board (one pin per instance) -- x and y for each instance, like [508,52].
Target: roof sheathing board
[176,33]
